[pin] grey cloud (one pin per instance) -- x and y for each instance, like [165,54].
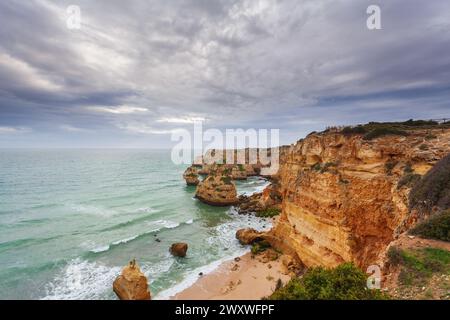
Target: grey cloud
[248,63]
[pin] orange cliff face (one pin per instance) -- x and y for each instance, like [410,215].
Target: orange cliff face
[340,196]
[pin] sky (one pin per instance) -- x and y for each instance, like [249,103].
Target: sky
[135,71]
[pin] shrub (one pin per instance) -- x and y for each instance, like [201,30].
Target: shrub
[423,147]
[241,167]
[394,255]
[316,167]
[346,282]
[408,180]
[226,180]
[430,136]
[433,189]
[436,227]
[379,132]
[419,123]
[268,213]
[354,130]
[259,247]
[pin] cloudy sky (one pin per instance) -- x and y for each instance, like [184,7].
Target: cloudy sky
[136,70]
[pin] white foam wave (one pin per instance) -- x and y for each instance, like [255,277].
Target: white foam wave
[100,249]
[159,224]
[82,280]
[223,237]
[125,240]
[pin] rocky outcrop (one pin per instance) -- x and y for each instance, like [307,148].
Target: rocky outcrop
[191,176]
[249,236]
[179,249]
[217,190]
[260,201]
[131,284]
[238,173]
[341,197]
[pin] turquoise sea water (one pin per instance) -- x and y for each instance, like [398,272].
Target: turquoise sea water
[71,219]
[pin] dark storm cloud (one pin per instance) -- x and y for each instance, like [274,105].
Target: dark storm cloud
[146,67]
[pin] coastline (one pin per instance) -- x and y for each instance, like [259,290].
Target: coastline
[243,277]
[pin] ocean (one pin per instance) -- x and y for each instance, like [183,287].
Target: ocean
[70,220]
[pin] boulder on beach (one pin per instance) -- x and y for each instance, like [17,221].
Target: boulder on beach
[249,236]
[179,249]
[131,284]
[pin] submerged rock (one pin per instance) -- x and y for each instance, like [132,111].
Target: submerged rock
[217,190]
[179,249]
[131,284]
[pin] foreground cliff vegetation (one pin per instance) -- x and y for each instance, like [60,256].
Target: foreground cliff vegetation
[374,130]
[437,227]
[434,189]
[345,282]
[432,194]
[423,273]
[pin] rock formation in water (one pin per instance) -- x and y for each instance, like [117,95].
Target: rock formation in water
[345,198]
[191,176]
[131,284]
[179,249]
[217,190]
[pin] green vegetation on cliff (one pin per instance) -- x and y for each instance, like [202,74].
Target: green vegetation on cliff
[434,188]
[417,266]
[436,227]
[345,282]
[374,130]
[268,213]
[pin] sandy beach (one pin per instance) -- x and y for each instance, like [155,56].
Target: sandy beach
[249,278]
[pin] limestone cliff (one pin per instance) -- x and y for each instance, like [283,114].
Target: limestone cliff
[342,200]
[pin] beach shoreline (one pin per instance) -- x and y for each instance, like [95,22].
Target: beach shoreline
[247,277]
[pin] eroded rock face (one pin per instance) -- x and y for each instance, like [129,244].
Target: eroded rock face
[217,190]
[341,200]
[238,173]
[249,236]
[179,249]
[260,201]
[131,284]
[191,176]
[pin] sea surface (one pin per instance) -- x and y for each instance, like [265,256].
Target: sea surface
[71,219]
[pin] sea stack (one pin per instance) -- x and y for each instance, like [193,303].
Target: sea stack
[131,284]
[217,190]
[191,176]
